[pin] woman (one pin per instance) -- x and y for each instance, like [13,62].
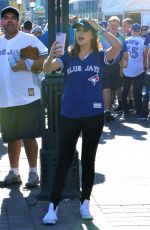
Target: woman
[82,107]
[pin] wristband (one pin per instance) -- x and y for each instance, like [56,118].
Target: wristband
[50,58]
[29,64]
[102,31]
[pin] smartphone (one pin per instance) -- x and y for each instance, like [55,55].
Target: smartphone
[61,38]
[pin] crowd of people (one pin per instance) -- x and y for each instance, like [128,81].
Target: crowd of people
[106,69]
[128,84]
[125,85]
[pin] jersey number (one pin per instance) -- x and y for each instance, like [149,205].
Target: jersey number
[134,52]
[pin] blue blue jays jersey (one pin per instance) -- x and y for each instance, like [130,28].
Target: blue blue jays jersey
[82,95]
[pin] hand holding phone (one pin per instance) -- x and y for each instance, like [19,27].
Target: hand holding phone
[61,40]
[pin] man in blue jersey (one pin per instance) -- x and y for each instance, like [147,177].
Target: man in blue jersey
[72,20]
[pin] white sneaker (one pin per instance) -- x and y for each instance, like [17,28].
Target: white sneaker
[51,216]
[84,211]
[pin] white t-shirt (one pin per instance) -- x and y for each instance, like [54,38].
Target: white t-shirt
[135,46]
[17,88]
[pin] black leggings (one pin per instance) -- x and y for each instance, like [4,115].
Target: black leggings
[91,128]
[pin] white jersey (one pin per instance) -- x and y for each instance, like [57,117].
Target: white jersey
[17,88]
[135,47]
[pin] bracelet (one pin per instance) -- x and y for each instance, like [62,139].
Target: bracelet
[29,64]
[50,58]
[103,31]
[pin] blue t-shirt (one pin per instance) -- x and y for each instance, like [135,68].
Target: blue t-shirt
[107,45]
[71,35]
[44,37]
[82,95]
[147,40]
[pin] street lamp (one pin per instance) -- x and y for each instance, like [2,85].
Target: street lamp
[19,2]
[32,5]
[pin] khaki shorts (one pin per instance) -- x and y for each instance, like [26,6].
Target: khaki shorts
[22,122]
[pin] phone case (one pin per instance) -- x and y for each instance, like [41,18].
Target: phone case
[61,38]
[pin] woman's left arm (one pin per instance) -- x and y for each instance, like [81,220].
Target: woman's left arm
[115,48]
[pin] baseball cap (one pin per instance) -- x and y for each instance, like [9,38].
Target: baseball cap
[89,24]
[103,24]
[27,25]
[37,29]
[144,27]
[136,27]
[9,9]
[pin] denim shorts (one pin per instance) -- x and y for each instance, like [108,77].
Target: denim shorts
[22,122]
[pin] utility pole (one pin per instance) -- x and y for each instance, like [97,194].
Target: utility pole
[100,14]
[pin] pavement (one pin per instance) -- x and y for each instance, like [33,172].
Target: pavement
[121,194]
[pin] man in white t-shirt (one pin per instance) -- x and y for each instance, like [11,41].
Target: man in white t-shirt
[134,72]
[19,96]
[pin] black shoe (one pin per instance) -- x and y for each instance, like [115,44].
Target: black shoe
[119,108]
[131,105]
[108,116]
[126,113]
[33,180]
[142,118]
[137,114]
[11,179]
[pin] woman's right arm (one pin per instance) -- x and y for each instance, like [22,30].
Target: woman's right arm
[51,64]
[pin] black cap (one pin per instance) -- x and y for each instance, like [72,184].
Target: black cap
[27,25]
[144,27]
[9,9]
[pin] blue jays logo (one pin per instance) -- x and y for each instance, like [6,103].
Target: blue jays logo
[94,79]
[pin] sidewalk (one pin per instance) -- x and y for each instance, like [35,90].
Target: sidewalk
[120,197]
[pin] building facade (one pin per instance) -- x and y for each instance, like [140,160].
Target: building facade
[86,8]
